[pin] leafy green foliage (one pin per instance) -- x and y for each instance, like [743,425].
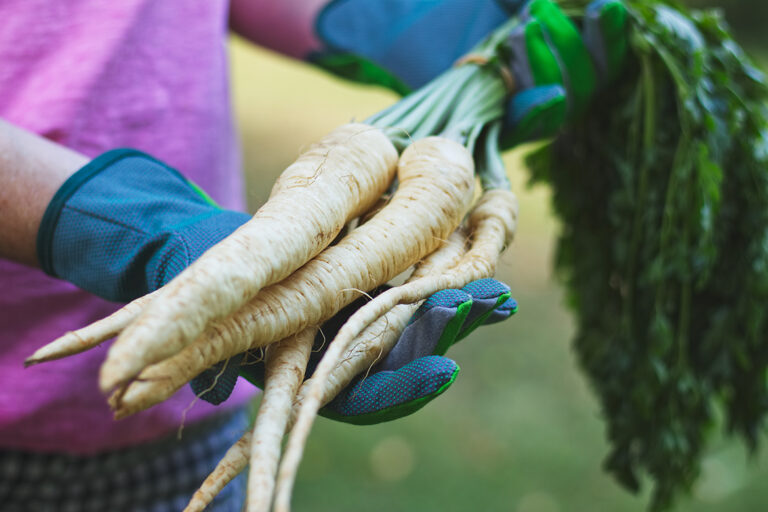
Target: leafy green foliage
[663,194]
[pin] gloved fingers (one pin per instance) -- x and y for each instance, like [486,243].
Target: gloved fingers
[535,113]
[504,311]
[553,70]
[487,295]
[543,102]
[432,329]
[447,317]
[215,384]
[534,61]
[577,67]
[389,395]
[605,34]
[252,367]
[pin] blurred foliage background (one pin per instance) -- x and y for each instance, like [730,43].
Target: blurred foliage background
[520,430]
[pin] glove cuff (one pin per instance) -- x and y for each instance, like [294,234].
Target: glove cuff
[115,216]
[73,184]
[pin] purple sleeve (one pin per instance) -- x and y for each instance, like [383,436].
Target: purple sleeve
[95,76]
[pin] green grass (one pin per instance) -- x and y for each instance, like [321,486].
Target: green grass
[520,430]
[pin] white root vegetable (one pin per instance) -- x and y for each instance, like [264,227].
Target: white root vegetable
[91,335]
[436,184]
[335,180]
[228,468]
[492,226]
[286,362]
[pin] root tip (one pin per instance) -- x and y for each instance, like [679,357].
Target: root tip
[109,383]
[121,414]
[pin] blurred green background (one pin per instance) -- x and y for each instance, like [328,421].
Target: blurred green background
[520,430]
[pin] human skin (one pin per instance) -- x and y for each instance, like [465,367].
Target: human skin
[32,169]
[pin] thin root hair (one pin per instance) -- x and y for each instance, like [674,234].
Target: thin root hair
[250,354]
[361,292]
[197,397]
[322,345]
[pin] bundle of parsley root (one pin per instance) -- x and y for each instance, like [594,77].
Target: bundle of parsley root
[662,189]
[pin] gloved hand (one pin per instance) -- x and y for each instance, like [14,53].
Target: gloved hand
[402,44]
[557,72]
[126,224]
[414,372]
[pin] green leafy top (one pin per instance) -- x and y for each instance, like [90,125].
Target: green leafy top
[663,193]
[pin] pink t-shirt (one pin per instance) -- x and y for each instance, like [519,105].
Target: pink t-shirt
[94,75]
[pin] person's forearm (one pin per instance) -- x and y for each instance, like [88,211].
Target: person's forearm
[31,171]
[286,26]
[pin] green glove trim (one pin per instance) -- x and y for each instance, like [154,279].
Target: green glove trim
[545,68]
[482,318]
[452,329]
[203,195]
[581,79]
[358,69]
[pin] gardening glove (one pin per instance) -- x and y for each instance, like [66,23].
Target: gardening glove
[402,44]
[412,375]
[126,224]
[557,70]
[415,371]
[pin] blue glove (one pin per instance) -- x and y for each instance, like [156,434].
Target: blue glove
[414,372]
[402,44]
[126,224]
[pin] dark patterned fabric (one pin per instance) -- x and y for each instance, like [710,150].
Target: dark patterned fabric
[445,318]
[215,384]
[155,477]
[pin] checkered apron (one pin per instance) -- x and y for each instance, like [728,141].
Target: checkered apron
[155,477]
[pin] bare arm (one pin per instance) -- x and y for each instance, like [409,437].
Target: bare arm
[285,26]
[31,171]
